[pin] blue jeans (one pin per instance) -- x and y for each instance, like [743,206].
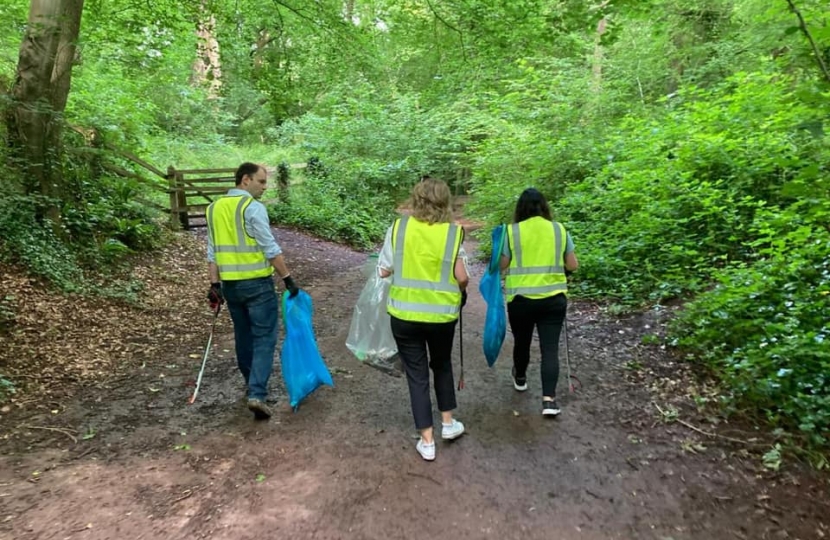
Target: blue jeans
[253,306]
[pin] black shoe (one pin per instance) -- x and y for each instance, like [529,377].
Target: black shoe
[259,408]
[519,383]
[550,408]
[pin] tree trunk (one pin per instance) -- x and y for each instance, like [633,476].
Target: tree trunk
[596,63]
[207,68]
[39,95]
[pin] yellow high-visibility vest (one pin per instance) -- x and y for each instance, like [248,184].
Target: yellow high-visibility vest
[424,288]
[537,264]
[237,254]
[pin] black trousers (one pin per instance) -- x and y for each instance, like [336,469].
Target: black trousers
[413,339]
[547,315]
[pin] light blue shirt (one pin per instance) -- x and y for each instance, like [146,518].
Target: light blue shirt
[256,224]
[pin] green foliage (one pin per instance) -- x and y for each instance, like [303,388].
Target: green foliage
[371,152]
[7,388]
[383,144]
[775,354]
[198,154]
[101,222]
[30,241]
[358,217]
[675,197]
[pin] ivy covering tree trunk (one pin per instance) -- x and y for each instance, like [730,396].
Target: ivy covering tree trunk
[39,95]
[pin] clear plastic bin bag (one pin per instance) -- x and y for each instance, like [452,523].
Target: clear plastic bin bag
[370,334]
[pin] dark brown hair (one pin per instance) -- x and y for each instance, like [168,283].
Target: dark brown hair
[246,169]
[531,204]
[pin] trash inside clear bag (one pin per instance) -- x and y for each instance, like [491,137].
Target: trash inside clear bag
[370,334]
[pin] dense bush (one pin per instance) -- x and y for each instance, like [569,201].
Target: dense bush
[353,215]
[765,326]
[30,241]
[101,224]
[677,192]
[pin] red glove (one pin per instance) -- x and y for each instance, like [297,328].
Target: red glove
[215,296]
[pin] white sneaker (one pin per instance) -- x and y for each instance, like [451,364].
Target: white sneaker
[427,451]
[452,430]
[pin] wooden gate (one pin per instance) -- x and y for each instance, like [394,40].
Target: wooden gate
[192,190]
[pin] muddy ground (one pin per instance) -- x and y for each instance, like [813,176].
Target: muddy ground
[116,452]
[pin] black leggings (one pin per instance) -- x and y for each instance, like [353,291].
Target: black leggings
[548,315]
[413,339]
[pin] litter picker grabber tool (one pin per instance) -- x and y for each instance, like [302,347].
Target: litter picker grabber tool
[571,378]
[461,349]
[207,351]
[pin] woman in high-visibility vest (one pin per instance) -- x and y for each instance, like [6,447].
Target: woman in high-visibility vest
[423,255]
[535,257]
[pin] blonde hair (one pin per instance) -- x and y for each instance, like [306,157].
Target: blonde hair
[431,201]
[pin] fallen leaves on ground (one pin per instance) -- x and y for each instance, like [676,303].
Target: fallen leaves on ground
[58,340]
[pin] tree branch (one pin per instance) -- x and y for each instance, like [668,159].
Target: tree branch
[451,27]
[806,32]
[298,13]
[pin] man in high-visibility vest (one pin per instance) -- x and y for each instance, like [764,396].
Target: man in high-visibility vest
[242,256]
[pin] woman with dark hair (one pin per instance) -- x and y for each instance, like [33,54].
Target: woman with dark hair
[535,257]
[423,254]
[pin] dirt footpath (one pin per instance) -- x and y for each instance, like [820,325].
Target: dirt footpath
[125,457]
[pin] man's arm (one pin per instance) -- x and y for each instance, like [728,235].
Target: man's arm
[258,226]
[256,221]
[278,263]
[213,269]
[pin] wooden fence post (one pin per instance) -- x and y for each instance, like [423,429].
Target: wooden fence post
[182,201]
[174,199]
[283,182]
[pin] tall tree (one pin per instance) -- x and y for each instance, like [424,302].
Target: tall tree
[40,92]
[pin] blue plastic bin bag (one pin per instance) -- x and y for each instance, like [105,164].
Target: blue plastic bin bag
[303,369]
[495,322]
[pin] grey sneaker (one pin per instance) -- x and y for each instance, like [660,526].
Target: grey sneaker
[259,408]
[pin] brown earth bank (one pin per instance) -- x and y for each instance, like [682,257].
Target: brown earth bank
[101,443]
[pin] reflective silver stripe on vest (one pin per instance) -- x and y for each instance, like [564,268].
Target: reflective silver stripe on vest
[530,270]
[237,249]
[399,236]
[517,247]
[541,289]
[243,267]
[424,308]
[240,222]
[446,266]
[536,270]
